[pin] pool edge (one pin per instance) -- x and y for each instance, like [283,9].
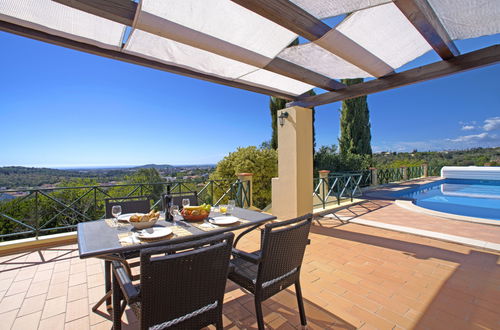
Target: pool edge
[409,205]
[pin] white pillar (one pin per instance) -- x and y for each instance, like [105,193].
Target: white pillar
[293,188]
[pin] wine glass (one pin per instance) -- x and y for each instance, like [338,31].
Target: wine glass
[174,211]
[230,207]
[116,210]
[185,202]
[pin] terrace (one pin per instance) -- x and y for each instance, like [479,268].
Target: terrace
[365,268]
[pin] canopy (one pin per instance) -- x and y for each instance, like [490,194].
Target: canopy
[246,43]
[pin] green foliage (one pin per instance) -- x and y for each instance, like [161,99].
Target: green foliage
[476,156]
[355,135]
[263,163]
[328,158]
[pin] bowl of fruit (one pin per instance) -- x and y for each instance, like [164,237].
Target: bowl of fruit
[196,213]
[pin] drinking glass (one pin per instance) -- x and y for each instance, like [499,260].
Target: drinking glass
[230,206]
[174,211]
[223,209]
[185,202]
[116,210]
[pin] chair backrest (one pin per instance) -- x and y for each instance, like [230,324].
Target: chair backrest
[283,247]
[141,204]
[176,199]
[183,285]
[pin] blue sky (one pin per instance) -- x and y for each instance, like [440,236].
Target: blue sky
[60,107]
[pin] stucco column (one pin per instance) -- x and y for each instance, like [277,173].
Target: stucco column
[293,188]
[405,173]
[374,176]
[246,180]
[323,190]
[426,170]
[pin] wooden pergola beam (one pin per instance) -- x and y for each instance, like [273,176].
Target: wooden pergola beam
[116,55]
[121,11]
[425,20]
[296,19]
[473,60]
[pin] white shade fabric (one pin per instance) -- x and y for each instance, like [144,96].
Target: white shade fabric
[223,39]
[171,52]
[224,20]
[54,18]
[329,8]
[386,33]
[324,61]
[468,19]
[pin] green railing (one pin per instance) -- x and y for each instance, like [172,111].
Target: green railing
[36,212]
[387,175]
[336,187]
[434,170]
[415,172]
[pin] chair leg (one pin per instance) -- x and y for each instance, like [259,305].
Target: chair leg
[218,324]
[258,314]
[117,312]
[107,282]
[300,302]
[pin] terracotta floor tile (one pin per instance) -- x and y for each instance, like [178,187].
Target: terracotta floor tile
[18,287]
[11,302]
[77,292]
[79,324]
[33,304]
[53,323]
[54,307]
[77,309]
[37,288]
[57,290]
[8,318]
[29,321]
[44,275]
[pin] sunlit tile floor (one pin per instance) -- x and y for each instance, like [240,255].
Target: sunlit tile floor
[352,277]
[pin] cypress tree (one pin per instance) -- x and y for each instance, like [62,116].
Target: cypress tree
[355,135]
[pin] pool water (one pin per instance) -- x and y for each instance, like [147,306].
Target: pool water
[473,198]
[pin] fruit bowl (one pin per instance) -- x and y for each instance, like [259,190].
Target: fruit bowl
[195,213]
[195,218]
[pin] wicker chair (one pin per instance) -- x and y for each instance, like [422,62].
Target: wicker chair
[134,204]
[140,204]
[276,266]
[181,286]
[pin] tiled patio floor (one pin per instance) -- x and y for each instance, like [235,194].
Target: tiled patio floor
[353,277]
[387,212]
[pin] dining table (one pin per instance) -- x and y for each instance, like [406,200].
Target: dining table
[108,240]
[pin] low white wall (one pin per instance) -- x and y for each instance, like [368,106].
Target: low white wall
[471,172]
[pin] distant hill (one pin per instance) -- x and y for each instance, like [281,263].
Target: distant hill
[158,167]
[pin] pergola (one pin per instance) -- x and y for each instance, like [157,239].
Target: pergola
[245,44]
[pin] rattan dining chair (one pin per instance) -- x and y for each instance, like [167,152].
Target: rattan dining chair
[276,266]
[181,286]
[140,204]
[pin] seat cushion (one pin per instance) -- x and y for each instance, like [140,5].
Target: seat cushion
[244,273]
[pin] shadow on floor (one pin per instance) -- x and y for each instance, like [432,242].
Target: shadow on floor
[280,312]
[41,256]
[467,299]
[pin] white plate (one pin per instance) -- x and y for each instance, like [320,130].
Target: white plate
[155,232]
[224,220]
[126,216]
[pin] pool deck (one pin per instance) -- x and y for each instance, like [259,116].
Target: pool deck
[381,210]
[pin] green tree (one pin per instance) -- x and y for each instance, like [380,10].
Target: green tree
[355,135]
[328,158]
[263,163]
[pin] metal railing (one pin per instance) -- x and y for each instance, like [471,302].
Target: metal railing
[336,187]
[36,212]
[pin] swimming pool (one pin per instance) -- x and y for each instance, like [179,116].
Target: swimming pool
[472,198]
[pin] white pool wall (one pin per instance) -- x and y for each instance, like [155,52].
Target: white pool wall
[471,172]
